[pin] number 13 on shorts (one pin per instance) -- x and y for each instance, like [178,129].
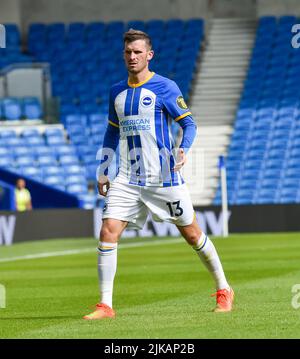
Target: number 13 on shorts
[175,209]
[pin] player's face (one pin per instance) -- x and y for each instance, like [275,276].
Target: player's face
[137,56]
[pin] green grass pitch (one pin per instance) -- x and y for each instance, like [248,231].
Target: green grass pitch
[162,290]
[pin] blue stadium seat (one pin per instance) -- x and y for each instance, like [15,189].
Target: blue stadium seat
[291,183]
[22,151]
[88,158]
[55,32]
[7,161]
[289,198]
[32,172]
[79,139]
[77,189]
[269,183]
[74,170]
[30,133]
[44,150]
[249,173]
[98,119]
[115,28]
[233,165]
[65,150]
[253,164]
[66,109]
[51,170]
[255,154]
[294,153]
[268,198]
[2,142]
[25,160]
[12,110]
[136,24]
[37,29]
[91,171]
[55,181]
[75,179]
[98,130]
[273,164]
[14,142]
[84,150]
[7,134]
[292,172]
[94,31]
[12,36]
[243,201]
[68,160]
[32,110]
[46,160]
[280,143]
[293,163]
[4,152]
[76,32]
[74,130]
[276,153]
[89,200]
[56,141]
[76,119]
[54,132]
[246,184]
[155,24]
[35,141]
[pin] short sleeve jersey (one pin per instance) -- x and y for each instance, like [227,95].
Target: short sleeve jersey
[143,113]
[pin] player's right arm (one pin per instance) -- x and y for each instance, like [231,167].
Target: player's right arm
[110,144]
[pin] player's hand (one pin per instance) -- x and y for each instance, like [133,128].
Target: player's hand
[181,160]
[103,185]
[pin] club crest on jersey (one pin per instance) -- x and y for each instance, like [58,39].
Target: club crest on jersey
[147,101]
[181,103]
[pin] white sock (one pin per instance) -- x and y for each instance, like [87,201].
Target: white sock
[209,256]
[107,267]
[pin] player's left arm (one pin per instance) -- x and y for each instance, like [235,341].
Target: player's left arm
[189,131]
[179,111]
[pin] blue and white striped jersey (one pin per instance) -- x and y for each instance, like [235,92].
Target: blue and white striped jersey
[143,112]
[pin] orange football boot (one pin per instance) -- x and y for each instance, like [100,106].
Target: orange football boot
[224,300]
[102,311]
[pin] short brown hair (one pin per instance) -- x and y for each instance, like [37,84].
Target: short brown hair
[133,35]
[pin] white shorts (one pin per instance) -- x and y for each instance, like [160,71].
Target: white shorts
[132,204]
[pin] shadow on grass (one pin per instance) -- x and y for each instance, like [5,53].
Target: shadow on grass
[43,318]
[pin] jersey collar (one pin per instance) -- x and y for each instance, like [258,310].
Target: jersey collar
[143,82]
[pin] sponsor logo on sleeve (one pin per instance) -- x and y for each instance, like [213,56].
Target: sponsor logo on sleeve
[181,103]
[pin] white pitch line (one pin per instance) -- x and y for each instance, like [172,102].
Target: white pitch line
[88,250]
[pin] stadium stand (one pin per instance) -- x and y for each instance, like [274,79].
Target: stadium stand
[263,163]
[78,53]
[13,53]
[47,157]
[13,108]
[81,77]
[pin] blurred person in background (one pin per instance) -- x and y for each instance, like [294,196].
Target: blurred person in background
[22,196]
